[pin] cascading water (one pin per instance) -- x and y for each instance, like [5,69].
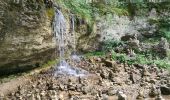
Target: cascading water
[72,30]
[60,31]
[74,56]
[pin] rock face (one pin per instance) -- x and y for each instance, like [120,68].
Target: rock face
[26,38]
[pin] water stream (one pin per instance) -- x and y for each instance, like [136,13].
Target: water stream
[63,68]
[74,56]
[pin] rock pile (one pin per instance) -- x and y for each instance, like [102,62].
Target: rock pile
[109,80]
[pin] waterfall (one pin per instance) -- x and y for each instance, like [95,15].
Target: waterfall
[74,56]
[59,26]
[59,30]
[73,32]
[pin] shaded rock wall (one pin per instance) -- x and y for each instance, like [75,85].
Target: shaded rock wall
[25,35]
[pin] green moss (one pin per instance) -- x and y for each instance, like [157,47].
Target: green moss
[165,33]
[50,63]
[104,9]
[50,13]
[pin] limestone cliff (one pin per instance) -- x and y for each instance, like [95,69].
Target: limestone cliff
[26,39]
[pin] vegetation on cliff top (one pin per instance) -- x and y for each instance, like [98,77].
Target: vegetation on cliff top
[91,10]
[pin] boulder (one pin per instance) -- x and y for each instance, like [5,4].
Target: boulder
[165,90]
[153,91]
[109,63]
[122,96]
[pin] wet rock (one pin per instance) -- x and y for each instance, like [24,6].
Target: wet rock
[165,90]
[121,96]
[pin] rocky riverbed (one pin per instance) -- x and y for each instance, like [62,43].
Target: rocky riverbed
[106,80]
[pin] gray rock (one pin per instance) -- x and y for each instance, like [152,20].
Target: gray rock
[165,90]
[86,89]
[111,92]
[104,97]
[135,77]
[122,96]
[104,74]
[61,87]
[145,72]
[153,91]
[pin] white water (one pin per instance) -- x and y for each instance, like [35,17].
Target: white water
[73,32]
[74,56]
[65,69]
[60,30]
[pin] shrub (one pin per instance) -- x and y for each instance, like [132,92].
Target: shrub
[165,33]
[110,44]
